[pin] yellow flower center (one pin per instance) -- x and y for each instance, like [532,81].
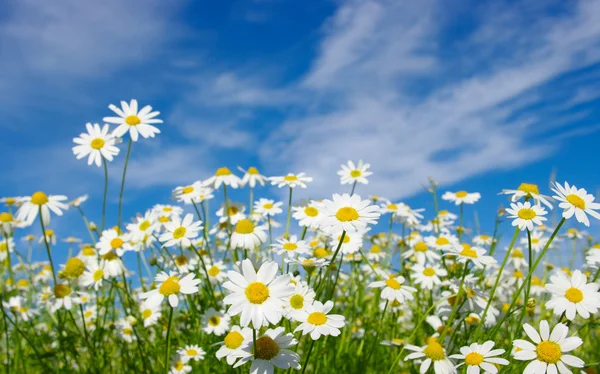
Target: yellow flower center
[233,210]
[133,120]
[355,173]
[214,321]
[163,219]
[88,314]
[179,232]
[74,268]
[473,358]
[392,283]
[529,188]
[221,172]
[268,206]
[233,340]
[392,207]
[10,201]
[468,252]
[320,252]
[346,239]
[574,295]
[311,211]
[460,194]
[170,286]
[181,260]
[179,365]
[518,254]
[434,351]
[6,217]
[535,240]
[186,190]
[346,214]
[214,271]
[146,313]
[97,143]
[266,348]
[98,274]
[290,178]
[526,214]
[244,226]
[61,291]
[257,292]
[518,274]
[116,243]
[536,281]
[576,201]
[88,251]
[420,247]
[297,301]
[442,241]
[548,352]
[290,246]
[39,198]
[110,256]
[317,318]
[428,272]
[375,249]
[22,283]
[253,171]
[398,341]
[144,225]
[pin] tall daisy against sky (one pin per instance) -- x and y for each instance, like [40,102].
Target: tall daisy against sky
[97,144]
[252,177]
[347,213]
[462,197]
[40,202]
[258,297]
[223,176]
[573,295]
[528,191]
[549,351]
[137,123]
[181,232]
[291,180]
[525,215]
[576,202]
[247,235]
[351,173]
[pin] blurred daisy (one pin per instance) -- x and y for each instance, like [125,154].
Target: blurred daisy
[465,253]
[133,121]
[39,201]
[267,207]
[291,180]
[190,193]
[429,276]
[111,240]
[259,297]
[547,354]
[215,322]
[479,357]
[150,313]
[181,232]
[94,275]
[191,352]
[576,202]
[422,253]
[351,173]
[316,321]
[223,176]
[573,296]
[434,353]
[348,213]
[462,197]
[292,246]
[97,144]
[525,215]
[483,240]
[271,352]
[528,191]
[216,272]
[247,236]
[171,286]
[62,297]
[393,287]
[180,367]
[252,177]
[7,245]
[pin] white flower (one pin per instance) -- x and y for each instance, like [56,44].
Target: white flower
[216,272]
[62,297]
[252,177]
[573,296]
[190,193]
[302,297]
[316,321]
[215,322]
[309,215]
[267,207]
[292,246]
[393,287]
[247,236]
[576,202]
[111,240]
[181,232]
[464,252]
[432,352]
[547,355]
[150,313]
[348,213]
[171,286]
[143,226]
[259,297]
[354,174]
[191,352]
[462,197]
[422,253]
[235,340]
[526,215]
[133,121]
[291,180]
[528,191]
[223,176]
[97,144]
[40,201]
[429,276]
[480,356]
[94,275]
[271,352]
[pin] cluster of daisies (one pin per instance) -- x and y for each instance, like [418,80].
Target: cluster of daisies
[297,284]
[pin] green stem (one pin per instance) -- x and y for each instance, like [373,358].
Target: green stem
[312,344]
[123,182]
[330,264]
[105,192]
[289,214]
[47,246]
[168,341]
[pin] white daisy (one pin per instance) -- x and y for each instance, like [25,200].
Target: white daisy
[393,287]
[215,322]
[576,202]
[308,216]
[267,207]
[348,213]
[236,339]
[291,180]
[316,321]
[271,352]
[259,297]
[528,191]
[465,253]
[526,215]
[428,276]
[133,121]
[191,352]
[39,201]
[97,144]
[94,275]
[247,236]
[62,297]
[252,177]
[150,313]
[292,246]
[181,232]
[223,176]
[190,193]
[422,253]
[462,197]
[573,296]
[479,357]
[483,240]
[143,226]
[111,240]
[547,354]
[302,297]
[216,272]
[351,173]
[171,286]
[432,352]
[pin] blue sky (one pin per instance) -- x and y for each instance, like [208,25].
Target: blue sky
[479,95]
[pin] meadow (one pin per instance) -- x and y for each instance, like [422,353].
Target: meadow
[345,283]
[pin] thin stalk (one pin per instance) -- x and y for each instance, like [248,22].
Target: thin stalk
[105,193]
[168,340]
[123,183]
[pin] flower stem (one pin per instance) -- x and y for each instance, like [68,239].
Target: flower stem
[312,344]
[47,246]
[289,214]
[105,192]
[123,183]
[331,263]
[168,341]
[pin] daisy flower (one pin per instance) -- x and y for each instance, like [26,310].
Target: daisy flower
[348,213]
[39,201]
[191,352]
[50,237]
[483,240]
[143,226]
[111,240]
[302,297]
[576,202]
[434,353]
[223,176]
[352,242]
[393,287]
[6,245]
[271,352]
[292,246]
[215,322]
[479,357]
[316,321]
[181,232]
[427,277]
[62,297]
[252,177]
[259,297]
[171,286]
[573,296]
[462,197]
[113,266]
[526,215]
[216,272]
[465,253]
[528,191]
[538,241]
[133,121]
[267,207]
[180,367]
[308,216]
[422,253]
[236,339]
[150,313]
[97,144]
[308,264]
[94,275]
[351,173]
[547,353]
[291,180]
[188,194]
[247,236]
